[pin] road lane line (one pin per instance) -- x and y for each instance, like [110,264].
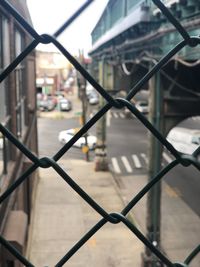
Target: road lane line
[166,157]
[136,161]
[121,115]
[115,165]
[126,164]
[144,156]
[115,115]
[108,117]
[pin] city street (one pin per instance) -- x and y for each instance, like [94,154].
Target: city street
[129,183]
[78,189]
[127,146]
[61,217]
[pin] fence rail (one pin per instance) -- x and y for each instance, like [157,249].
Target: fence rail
[120,103]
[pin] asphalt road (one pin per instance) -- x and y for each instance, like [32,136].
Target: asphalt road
[128,137]
[48,130]
[127,146]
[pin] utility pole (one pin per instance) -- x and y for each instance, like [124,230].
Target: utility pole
[85,149]
[155,158]
[101,161]
[82,95]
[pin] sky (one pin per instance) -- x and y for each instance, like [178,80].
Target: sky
[49,15]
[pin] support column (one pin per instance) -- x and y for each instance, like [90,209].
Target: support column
[101,160]
[155,159]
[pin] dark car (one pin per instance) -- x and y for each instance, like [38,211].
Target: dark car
[47,104]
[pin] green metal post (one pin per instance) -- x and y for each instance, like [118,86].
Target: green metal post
[101,161]
[155,160]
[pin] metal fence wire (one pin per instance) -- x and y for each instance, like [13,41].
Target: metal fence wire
[120,103]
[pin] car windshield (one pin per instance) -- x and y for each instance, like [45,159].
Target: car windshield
[196,140]
[69,133]
[143,104]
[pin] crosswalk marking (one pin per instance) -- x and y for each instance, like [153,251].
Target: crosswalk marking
[115,115]
[166,157]
[110,114]
[126,164]
[144,156]
[136,161]
[122,115]
[108,117]
[115,165]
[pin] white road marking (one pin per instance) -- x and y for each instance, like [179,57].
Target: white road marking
[126,164]
[122,115]
[115,165]
[144,156]
[136,161]
[108,117]
[115,115]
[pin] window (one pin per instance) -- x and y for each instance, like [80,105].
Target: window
[117,11]
[20,85]
[4,90]
[5,60]
[196,140]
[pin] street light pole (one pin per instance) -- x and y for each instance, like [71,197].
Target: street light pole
[155,159]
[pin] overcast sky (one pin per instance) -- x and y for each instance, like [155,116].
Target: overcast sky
[49,15]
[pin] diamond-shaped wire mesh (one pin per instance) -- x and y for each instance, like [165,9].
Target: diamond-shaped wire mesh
[115,217]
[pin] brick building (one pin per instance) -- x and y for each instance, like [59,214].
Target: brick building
[18,114]
[52,70]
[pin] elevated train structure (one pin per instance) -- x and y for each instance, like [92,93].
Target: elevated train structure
[131,36]
[141,46]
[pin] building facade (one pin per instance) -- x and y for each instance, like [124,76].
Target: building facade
[18,115]
[52,70]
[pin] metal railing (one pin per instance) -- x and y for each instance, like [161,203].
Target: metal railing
[46,162]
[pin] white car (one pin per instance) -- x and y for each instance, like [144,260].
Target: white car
[65,136]
[65,104]
[184,140]
[142,106]
[93,98]
[89,89]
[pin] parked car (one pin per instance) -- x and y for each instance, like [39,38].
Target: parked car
[65,104]
[89,89]
[184,140]
[47,104]
[93,98]
[66,135]
[142,106]
[58,95]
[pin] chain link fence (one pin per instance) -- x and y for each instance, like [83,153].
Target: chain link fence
[119,103]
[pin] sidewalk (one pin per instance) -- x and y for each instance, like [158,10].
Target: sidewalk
[61,218]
